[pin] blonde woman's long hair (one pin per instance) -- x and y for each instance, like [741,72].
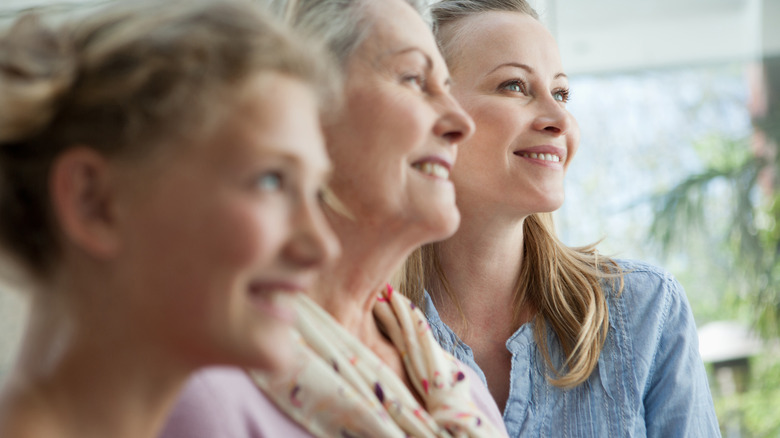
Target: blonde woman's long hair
[566,286]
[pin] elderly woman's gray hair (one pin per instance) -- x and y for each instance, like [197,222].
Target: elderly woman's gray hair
[341,25]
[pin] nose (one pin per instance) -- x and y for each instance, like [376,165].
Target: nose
[454,125]
[313,243]
[552,117]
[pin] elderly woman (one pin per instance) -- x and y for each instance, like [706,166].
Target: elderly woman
[160,165]
[368,365]
[570,343]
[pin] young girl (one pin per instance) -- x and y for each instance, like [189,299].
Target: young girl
[160,165]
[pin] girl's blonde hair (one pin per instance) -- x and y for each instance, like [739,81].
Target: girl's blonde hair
[125,81]
[566,286]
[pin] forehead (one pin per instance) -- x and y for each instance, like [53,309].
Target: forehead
[274,113]
[493,38]
[395,25]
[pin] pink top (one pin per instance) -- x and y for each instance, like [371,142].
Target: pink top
[224,402]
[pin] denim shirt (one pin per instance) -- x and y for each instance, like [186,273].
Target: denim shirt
[650,380]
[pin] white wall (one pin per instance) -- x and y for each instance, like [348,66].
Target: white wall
[609,36]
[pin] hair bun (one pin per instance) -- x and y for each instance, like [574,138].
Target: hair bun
[36,66]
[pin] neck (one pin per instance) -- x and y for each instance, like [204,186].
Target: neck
[481,262]
[369,258]
[83,375]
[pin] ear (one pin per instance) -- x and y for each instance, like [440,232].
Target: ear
[82,196]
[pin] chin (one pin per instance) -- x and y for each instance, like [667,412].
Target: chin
[452,225]
[554,205]
[544,203]
[275,359]
[269,350]
[444,225]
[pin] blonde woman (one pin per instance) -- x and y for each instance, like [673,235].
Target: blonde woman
[568,342]
[160,164]
[368,365]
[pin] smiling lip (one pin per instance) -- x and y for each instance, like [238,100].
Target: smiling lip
[273,298]
[546,154]
[434,167]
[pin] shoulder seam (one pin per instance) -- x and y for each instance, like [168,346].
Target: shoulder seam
[667,304]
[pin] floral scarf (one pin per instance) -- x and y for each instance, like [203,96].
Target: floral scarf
[339,388]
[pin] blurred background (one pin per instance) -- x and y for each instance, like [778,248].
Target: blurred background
[679,106]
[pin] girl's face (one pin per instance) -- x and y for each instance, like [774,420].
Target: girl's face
[395,143]
[507,74]
[221,231]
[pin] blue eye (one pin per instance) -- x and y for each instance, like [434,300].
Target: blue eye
[515,86]
[561,95]
[270,182]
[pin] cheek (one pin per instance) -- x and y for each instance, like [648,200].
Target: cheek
[572,146]
[390,123]
[372,148]
[484,162]
[474,160]
[497,126]
[242,235]
[415,120]
[493,141]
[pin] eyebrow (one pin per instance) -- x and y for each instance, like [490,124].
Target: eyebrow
[292,159]
[525,67]
[428,60]
[280,151]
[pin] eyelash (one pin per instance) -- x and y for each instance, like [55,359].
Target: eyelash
[418,79]
[563,92]
[262,179]
[520,84]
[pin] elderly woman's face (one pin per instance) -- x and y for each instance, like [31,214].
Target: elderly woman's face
[394,145]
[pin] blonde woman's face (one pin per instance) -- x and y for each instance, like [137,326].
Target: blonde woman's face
[395,143]
[508,75]
[225,229]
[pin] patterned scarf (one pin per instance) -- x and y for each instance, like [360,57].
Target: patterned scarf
[340,388]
